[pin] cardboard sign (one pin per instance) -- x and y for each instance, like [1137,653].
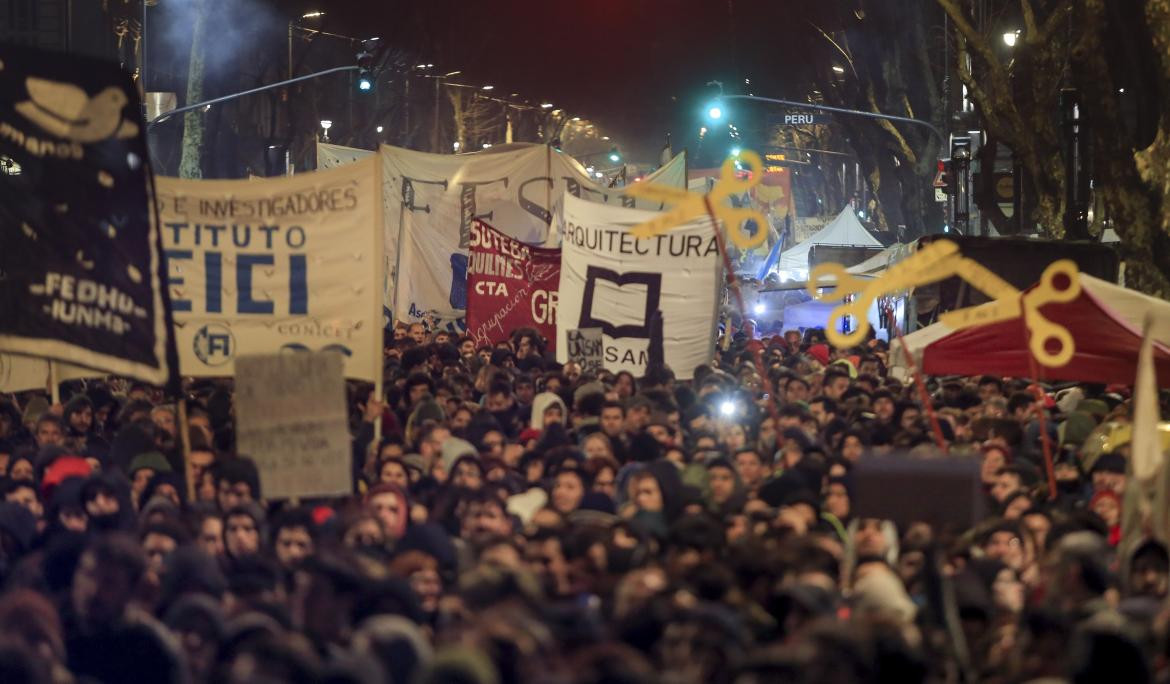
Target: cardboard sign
[292,422]
[585,348]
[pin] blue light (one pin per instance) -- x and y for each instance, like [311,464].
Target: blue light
[714,112]
[365,84]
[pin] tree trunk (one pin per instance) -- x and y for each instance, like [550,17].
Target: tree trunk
[190,160]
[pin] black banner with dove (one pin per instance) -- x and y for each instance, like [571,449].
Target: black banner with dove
[80,251]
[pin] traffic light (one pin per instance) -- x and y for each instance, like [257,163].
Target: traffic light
[958,178]
[365,79]
[614,155]
[715,111]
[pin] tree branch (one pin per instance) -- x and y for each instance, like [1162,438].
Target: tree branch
[1029,20]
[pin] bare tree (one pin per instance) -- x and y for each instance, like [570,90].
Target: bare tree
[191,155]
[1097,48]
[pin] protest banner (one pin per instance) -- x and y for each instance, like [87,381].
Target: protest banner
[585,349]
[292,421]
[510,285]
[637,290]
[279,264]
[432,200]
[80,264]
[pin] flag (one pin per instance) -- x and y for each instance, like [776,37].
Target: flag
[1147,447]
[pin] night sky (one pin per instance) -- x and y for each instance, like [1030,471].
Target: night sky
[637,68]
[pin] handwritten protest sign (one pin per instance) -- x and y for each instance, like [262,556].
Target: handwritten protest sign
[585,348]
[292,423]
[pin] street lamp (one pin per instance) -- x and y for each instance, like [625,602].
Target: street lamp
[1010,38]
[315,14]
[714,112]
[326,124]
[546,105]
[488,87]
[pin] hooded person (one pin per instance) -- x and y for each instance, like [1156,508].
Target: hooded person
[33,410]
[18,529]
[130,441]
[144,467]
[398,644]
[724,493]
[869,538]
[66,511]
[199,622]
[541,403]
[390,505]
[453,449]
[106,497]
[433,540]
[168,485]
[427,409]
[658,497]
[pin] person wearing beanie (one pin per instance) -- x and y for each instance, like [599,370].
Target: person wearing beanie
[453,448]
[61,469]
[237,481]
[1108,473]
[33,410]
[142,468]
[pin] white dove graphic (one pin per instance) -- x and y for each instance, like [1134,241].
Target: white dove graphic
[66,111]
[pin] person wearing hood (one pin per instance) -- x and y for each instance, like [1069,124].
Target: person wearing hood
[454,449]
[391,506]
[66,511]
[657,497]
[243,530]
[142,469]
[1149,571]
[107,501]
[547,407]
[500,402]
[726,494]
[105,641]
[427,409]
[18,529]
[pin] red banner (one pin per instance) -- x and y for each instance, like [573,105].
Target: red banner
[510,285]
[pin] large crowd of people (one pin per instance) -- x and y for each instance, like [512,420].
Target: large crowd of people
[523,520]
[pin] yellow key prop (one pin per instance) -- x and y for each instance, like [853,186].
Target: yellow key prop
[940,260]
[691,205]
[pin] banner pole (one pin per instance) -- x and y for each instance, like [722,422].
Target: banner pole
[379,330]
[54,384]
[185,441]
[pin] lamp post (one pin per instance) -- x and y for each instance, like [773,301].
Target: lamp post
[438,102]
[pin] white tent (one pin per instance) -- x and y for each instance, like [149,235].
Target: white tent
[845,230]
[1129,305]
[876,264]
